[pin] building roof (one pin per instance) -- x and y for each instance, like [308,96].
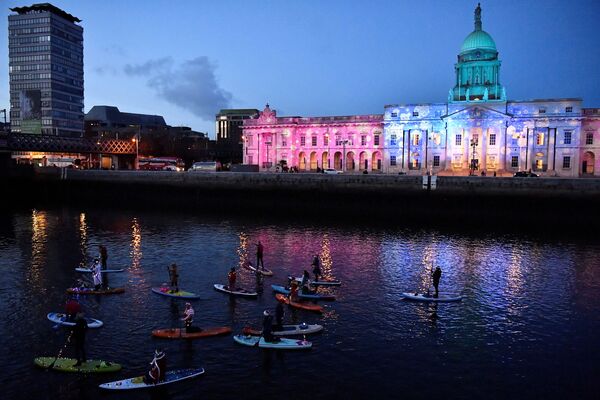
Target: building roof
[46,7]
[113,115]
[478,40]
[237,111]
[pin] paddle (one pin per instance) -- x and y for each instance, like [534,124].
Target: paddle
[49,367]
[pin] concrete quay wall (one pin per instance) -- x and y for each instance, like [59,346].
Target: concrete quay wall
[458,201]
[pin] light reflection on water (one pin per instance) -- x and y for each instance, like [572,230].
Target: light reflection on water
[525,298]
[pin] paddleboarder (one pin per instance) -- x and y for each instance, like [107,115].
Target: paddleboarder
[103,258]
[259,256]
[316,267]
[188,318]
[267,331]
[97,274]
[305,278]
[231,278]
[436,275]
[79,331]
[72,307]
[158,367]
[294,291]
[173,277]
[279,313]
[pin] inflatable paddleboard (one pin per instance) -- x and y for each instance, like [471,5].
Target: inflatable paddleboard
[265,272]
[321,283]
[171,293]
[104,271]
[138,382]
[176,333]
[283,290]
[287,330]
[236,292]
[92,291]
[68,365]
[430,298]
[281,344]
[302,306]
[61,319]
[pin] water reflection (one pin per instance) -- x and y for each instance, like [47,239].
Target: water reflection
[135,246]
[39,236]
[83,238]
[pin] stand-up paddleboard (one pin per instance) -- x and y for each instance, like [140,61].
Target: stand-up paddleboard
[265,272]
[283,290]
[68,365]
[93,291]
[104,271]
[286,330]
[176,333]
[138,382]
[302,306]
[281,343]
[430,298]
[61,319]
[179,294]
[321,282]
[236,292]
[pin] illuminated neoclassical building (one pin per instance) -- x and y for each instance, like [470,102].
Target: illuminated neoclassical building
[476,130]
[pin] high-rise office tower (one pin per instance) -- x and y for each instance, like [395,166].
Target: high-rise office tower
[46,71]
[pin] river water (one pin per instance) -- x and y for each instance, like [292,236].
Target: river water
[527,327]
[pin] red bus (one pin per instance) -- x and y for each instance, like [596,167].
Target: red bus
[161,164]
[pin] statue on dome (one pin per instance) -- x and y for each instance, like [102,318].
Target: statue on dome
[450,95]
[468,94]
[485,94]
[478,17]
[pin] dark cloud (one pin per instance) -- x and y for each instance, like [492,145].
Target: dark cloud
[150,67]
[191,85]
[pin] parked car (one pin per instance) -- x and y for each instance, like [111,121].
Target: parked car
[331,171]
[205,166]
[525,174]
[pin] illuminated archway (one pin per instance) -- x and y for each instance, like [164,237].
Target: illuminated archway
[376,161]
[302,161]
[363,163]
[313,161]
[337,160]
[587,165]
[325,160]
[350,163]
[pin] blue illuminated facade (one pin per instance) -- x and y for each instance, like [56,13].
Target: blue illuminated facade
[479,130]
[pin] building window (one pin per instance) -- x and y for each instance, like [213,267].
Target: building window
[338,140]
[539,140]
[514,162]
[302,140]
[363,140]
[566,162]
[589,138]
[436,161]
[416,139]
[394,115]
[250,141]
[376,140]
[283,140]
[542,111]
[250,159]
[458,141]
[567,137]
[392,140]
[492,139]
[539,165]
[569,109]
[392,160]
[326,140]
[415,113]
[314,140]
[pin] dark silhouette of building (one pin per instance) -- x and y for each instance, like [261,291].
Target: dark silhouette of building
[45,50]
[229,134]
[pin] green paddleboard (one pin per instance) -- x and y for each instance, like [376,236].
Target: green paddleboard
[68,365]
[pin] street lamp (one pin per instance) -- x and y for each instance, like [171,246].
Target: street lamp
[473,145]
[328,151]
[344,151]
[136,140]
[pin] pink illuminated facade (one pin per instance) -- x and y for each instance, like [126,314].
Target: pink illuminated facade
[345,143]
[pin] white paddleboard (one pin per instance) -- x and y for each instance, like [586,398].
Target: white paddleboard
[281,344]
[138,382]
[430,298]
[236,292]
[61,319]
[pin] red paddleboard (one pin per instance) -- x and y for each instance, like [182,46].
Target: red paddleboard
[176,333]
[303,306]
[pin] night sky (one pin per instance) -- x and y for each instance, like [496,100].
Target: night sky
[187,59]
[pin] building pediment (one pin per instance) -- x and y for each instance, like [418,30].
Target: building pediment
[477,111]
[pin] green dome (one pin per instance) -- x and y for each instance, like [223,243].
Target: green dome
[478,40]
